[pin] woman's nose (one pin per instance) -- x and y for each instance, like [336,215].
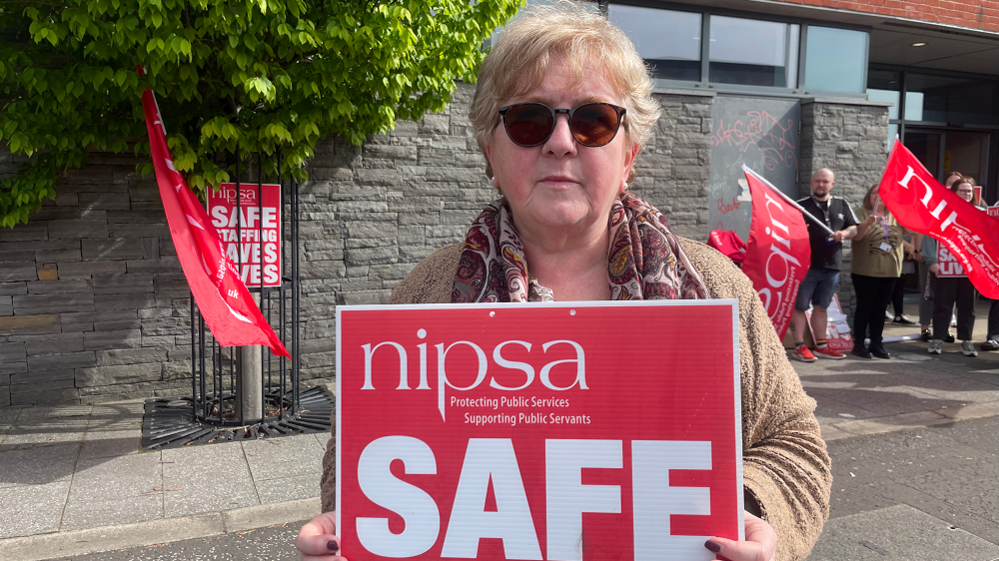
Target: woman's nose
[561,141]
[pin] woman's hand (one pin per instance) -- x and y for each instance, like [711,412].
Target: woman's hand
[935,269]
[760,544]
[317,540]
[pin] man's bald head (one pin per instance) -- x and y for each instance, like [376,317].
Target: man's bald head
[822,182]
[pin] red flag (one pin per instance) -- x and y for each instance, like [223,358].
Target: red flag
[921,203]
[729,243]
[778,253]
[223,299]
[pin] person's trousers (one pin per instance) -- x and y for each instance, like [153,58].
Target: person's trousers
[927,282]
[873,296]
[898,294]
[994,320]
[948,291]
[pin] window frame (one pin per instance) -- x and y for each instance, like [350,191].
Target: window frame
[797,91]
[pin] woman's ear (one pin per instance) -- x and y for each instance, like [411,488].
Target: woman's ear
[490,172]
[629,170]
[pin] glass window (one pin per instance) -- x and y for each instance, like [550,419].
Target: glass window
[669,41]
[913,106]
[945,99]
[888,96]
[748,52]
[885,85]
[835,59]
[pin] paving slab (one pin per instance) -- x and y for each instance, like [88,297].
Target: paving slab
[206,478]
[112,512]
[37,465]
[80,542]
[9,414]
[111,443]
[971,410]
[294,487]
[46,502]
[272,458]
[892,423]
[898,532]
[135,475]
[116,416]
[21,437]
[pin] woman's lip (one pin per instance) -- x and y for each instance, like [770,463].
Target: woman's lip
[558,179]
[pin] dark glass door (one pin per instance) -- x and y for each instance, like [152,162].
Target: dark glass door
[928,147]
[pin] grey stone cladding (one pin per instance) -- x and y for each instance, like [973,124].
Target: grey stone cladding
[850,138]
[94,306]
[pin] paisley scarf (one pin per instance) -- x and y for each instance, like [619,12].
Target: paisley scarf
[645,261]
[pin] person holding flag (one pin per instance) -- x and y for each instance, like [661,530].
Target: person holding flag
[877,265]
[965,240]
[822,279]
[952,286]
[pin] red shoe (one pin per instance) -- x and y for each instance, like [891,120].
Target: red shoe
[802,353]
[826,352]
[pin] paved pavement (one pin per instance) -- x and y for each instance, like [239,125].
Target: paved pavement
[912,440]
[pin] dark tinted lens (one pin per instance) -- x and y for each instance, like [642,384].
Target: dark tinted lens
[528,124]
[594,124]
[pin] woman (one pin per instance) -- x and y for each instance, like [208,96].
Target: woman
[952,285]
[927,280]
[566,229]
[877,264]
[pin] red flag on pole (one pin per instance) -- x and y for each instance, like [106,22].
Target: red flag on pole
[778,253]
[921,203]
[224,301]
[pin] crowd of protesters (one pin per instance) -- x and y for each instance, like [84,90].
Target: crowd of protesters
[885,257]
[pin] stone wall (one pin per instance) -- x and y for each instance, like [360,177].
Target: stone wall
[94,306]
[92,302]
[848,137]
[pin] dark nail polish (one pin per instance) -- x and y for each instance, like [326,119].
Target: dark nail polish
[332,545]
[715,547]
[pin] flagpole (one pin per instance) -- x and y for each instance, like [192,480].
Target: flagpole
[789,200]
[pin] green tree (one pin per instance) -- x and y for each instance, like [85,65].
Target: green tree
[233,78]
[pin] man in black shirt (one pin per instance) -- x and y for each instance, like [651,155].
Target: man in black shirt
[827,259]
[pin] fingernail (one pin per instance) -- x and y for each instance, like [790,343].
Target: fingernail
[714,547]
[333,546]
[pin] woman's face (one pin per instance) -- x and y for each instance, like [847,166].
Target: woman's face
[951,179]
[965,191]
[874,197]
[562,186]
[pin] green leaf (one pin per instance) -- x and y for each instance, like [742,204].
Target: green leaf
[255,75]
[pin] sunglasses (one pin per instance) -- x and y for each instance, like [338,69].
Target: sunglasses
[591,124]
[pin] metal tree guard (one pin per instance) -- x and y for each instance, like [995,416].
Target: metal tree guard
[213,411]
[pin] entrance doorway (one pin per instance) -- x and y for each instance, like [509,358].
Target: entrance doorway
[944,150]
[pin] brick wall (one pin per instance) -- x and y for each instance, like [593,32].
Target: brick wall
[849,138]
[94,306]
[972,14]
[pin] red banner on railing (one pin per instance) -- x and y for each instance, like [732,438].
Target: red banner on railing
[225,303]
[921,203]
[778,253]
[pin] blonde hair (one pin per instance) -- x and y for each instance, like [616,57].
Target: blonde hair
[564,33]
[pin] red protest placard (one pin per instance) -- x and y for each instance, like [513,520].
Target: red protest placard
[950,265]
[545,431]
[993,211]
[259,228]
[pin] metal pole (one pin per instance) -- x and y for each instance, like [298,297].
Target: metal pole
[194,365]
[295,301]
[789,200]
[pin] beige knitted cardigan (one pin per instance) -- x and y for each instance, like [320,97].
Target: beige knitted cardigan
[785,464]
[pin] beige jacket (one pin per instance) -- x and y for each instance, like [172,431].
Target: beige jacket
[785,464]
